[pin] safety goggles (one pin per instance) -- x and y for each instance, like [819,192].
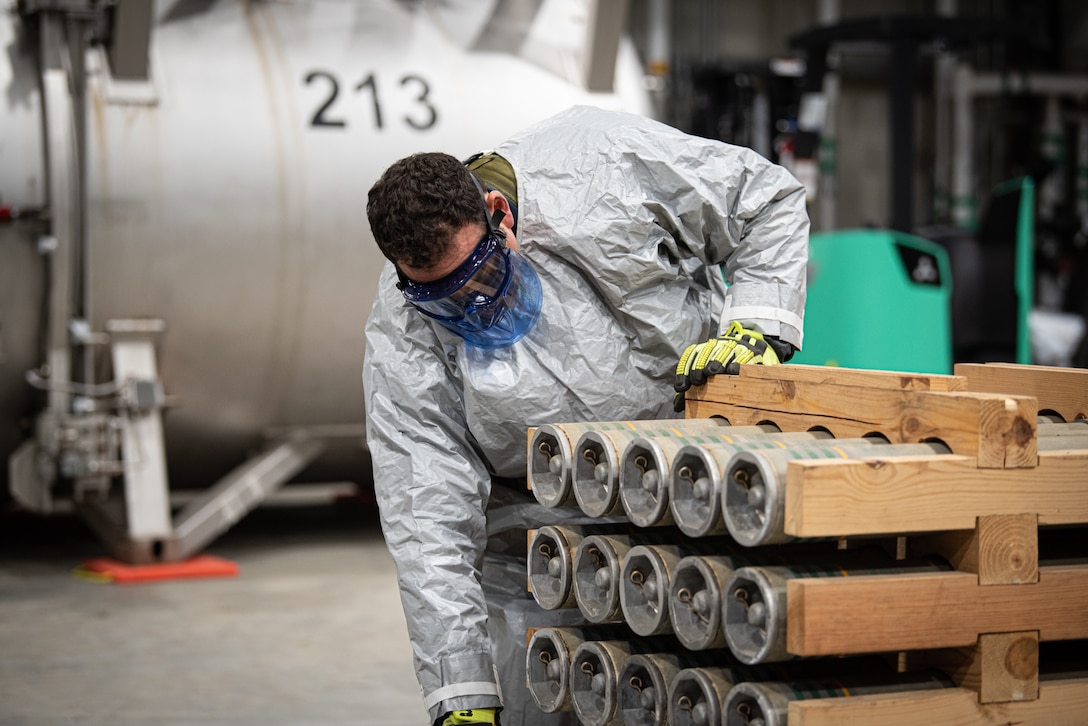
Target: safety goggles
[473,289]
[491,300]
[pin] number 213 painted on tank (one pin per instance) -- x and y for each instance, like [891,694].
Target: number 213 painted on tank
[424,117]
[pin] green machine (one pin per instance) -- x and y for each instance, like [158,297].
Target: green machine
[878,299]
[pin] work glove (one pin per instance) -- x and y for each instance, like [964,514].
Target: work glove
[735,347]
[488,716]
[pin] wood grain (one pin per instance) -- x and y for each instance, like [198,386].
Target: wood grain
[1060,703]
[1061,390]
[1008,546]
[891,380]
[998,430]
[929,494]
[1010,666]
[877,613]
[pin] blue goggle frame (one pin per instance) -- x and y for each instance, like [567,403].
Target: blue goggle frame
[478,283]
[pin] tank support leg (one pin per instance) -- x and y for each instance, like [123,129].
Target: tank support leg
[147,498]
[138,526]
[240,491]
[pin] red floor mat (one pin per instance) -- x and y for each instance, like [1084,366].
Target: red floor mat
[199,566]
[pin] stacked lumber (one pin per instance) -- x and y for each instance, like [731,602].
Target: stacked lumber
[835,547]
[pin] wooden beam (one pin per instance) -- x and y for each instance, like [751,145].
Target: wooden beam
[1001,667]
[888,380]
[998,430]
[876,613]
[1008,549]
[1002,550]
[1060,703]
[838,497]
[1010,666]
[1061,390]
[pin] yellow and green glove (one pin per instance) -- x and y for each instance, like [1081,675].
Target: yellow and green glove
[487,716]
[735,347]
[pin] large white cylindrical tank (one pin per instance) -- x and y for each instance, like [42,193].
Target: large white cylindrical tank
[226,195]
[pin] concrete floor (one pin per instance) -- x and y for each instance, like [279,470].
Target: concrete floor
[309,632]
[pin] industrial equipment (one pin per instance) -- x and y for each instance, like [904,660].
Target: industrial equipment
[185,262]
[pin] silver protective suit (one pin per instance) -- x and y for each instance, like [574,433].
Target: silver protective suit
[631,226]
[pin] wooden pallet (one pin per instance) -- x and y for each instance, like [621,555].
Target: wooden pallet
[1063,391]
[998,430]
[1061,703]
[979,507]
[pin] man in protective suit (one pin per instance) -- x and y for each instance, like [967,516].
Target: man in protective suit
[580,272]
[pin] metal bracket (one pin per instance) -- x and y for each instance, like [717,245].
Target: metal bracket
[214,512]
[138,526]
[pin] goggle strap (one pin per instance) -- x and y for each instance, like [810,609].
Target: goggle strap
[494,229]
[494,219]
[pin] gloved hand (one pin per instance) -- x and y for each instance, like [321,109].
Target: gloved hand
[488,716]
[737,346]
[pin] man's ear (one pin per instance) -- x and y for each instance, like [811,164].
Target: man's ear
[496,200]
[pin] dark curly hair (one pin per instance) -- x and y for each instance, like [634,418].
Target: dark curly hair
[419,203]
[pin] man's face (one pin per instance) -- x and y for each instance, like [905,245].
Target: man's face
[462,245]
[480,288]
[464,242]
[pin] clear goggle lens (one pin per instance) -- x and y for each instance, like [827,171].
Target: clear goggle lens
[474,287]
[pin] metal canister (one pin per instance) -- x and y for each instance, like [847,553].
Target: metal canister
[550,560]
[548,659]
[549,462]
[646,577]
[698,470]
[550,459]
[595,470]
[595,467]
[644,480]
[766,703]
[595,676]
[549,565]
[697,696]
[598,565]
[644,688]
[695,598]
[1063,436]
[753,494]
[754,610]
[645,678]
